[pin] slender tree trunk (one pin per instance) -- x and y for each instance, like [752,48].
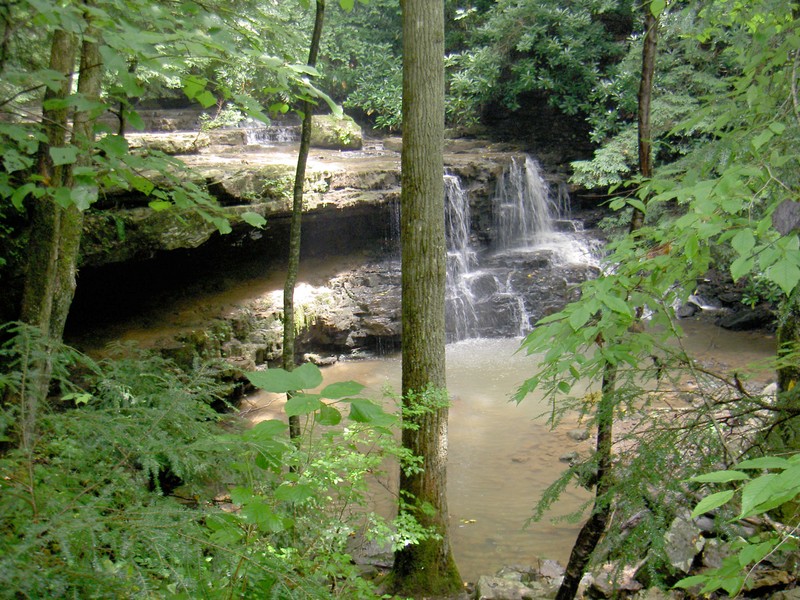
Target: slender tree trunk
[645,94]
[56,230]
[295,230]
[593,530]
[427,567]
[784,435]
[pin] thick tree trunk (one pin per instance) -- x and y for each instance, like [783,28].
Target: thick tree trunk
[56,230]
[428,567]
[295,228]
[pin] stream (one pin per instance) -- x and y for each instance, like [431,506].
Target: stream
[501,455]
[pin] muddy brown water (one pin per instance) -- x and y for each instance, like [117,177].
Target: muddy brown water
[503,455]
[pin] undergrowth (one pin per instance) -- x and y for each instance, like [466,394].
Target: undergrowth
[136,487]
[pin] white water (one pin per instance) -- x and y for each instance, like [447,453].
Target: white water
[529,223]
[274,134]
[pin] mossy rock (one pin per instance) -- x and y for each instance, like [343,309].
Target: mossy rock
[335,133]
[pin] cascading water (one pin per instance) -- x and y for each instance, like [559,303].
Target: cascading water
[461,258]
[524,209]
[536,248]
[274,134]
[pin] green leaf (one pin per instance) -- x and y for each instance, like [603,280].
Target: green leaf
[347,5]
[83,196]
[266,430]
[756,492]
[784,273]
[114,146]
[14,161]
[617,304]
[193,85]
[753,553]
[341,389]
[721,477]
[299,492]
[692,581]
[263,516]
[254,219]
[280,381]
[761,139]
[63,197]
[657,7]
[302,404]
[19,195]
[580,316]
[159,205]
[64,156]
[309,375]
[366,411]
[741,266]
[329,416]
[711,502]
[764,462]
[743,242]
[206,99]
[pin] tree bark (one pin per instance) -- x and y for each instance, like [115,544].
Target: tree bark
[55,229]
[295,227]
[645,95]
[427,567]
[592,531]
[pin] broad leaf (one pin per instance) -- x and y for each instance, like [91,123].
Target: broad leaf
[366,411]
[711,502]
[341,389]
[720,477]
[64,156]
[786,274]
[254,219]
[299,492]
[329,416]
[281,381]
[764,462]
[302,404]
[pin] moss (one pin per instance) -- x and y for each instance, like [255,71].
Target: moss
[424,570]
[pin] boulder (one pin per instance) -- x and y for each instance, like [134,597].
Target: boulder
[499,588]
[335,133]
[682,542]
[173,142]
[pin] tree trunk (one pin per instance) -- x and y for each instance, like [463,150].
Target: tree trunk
[592,531]
[594,528]
[645,94]
[784,435]
[295,228]
[427,567]
[56,230]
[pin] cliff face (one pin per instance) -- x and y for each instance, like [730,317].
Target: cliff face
[258,179]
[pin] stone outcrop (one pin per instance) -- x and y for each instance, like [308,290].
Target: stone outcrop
[260,180]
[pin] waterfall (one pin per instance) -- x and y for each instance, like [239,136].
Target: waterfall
[538,254]
[524,209]
[461,258]
[274,134]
